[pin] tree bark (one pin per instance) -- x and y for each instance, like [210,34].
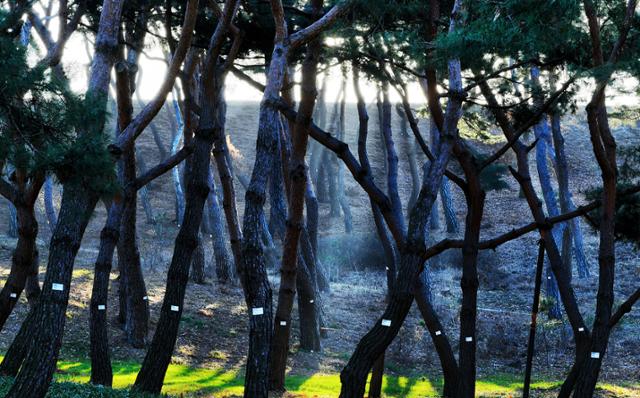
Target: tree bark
[22,261]
[46,322]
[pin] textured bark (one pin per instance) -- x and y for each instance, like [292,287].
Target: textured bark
[410,150]
[309,307]
[155,364]
[297,183]
[198,263]
[563,276]
[46,322]
[534,319]
[438,336]
[50,210]
[101,371]
[225,172]
[223,262]
[12,225]
[604,147]
[381,229]
[175,174]
[136,310]
[375,342]
[542,134]
[143,192]
[22,261]
[566,200]
[475,197]
[392,157]
[342,199]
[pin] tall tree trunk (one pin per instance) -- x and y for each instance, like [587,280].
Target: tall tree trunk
[297,183]
[469,283]
[566,200]
[101,371]
[50,210]
[198,262]
[22,261]
[211,85]
[46,323]
[223,263]
[175,173]
[144,191]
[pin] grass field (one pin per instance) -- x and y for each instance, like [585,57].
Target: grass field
[186,381]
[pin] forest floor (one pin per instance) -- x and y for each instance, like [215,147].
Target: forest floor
[211,348]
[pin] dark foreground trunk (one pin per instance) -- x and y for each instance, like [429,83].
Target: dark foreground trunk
[156,362]
[101,371]
[22,262]
[46,324]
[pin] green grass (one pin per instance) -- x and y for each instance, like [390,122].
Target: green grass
[72,377]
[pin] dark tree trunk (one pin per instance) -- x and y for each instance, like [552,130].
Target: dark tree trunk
[46,321]
[566,201]
[175,174]
[198,263]
[144,191]
[223,263]
[438,336]
[297,188]
[22,262]
[12,225]
[534,320]
[101,372]
[45,326]
[308,308]
[50,210]
[469,283]
[154,367]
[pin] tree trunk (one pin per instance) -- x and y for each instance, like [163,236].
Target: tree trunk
[223,263]
[101,372]
[46,321]
[22,262]
[534,320]
[566,200]
[144,191]
[12,230]
[297,183]
[175,173]
[309,308]
[198,263]
[50,210]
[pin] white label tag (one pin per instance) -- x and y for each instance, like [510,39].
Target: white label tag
[145,298]
[386,322]
[13,295]
[580,329]
[257,311]
[548,278]
[595,355]
[57,286]
[468,339]
[438,332]
[175,308]
[283,323]
[102,307]
[310,301]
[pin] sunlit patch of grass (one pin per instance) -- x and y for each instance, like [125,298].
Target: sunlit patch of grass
[82,273]
[183,380]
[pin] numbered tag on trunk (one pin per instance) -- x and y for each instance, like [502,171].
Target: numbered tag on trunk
[57,286]
[175,308]
[257,311]
[386,322]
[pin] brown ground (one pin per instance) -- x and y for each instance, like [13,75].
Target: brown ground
[214,328]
